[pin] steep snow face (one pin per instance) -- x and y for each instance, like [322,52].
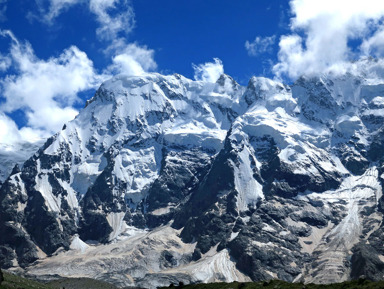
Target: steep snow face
[302,148]
[268,93]
[250,190]
[44,187]
[342,102]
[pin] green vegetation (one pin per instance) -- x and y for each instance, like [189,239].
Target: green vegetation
[276,284]
[81,283]
[17,282]
[12,281]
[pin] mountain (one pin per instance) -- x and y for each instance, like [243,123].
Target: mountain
[162,179]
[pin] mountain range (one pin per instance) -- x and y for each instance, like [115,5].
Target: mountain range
[163,179]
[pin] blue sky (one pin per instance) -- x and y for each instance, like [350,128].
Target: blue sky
[179,32]
[55,53]
[185,32]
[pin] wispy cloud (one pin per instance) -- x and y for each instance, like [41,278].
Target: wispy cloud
[209,71]
[3,10]
[321,32]
[49,10]
[113,16]
[5,62]
[260,45]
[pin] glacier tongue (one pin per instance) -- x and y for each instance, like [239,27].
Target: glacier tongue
[334,249]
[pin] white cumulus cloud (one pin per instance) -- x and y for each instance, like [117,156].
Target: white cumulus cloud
[321,32]
[131,59]
[374,46]
[260,45]
[9,132]
[45,90]
[209,71]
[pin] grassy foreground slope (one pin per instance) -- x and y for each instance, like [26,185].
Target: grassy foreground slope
[17,282]
[14,281]
[276,284]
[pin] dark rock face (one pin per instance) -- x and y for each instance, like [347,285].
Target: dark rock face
[355,163]
[210,211]
[22,204]
[366,264]
[284,258]
[15,244]
[376,149]
[168,191]
[318,104]
[39,223]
